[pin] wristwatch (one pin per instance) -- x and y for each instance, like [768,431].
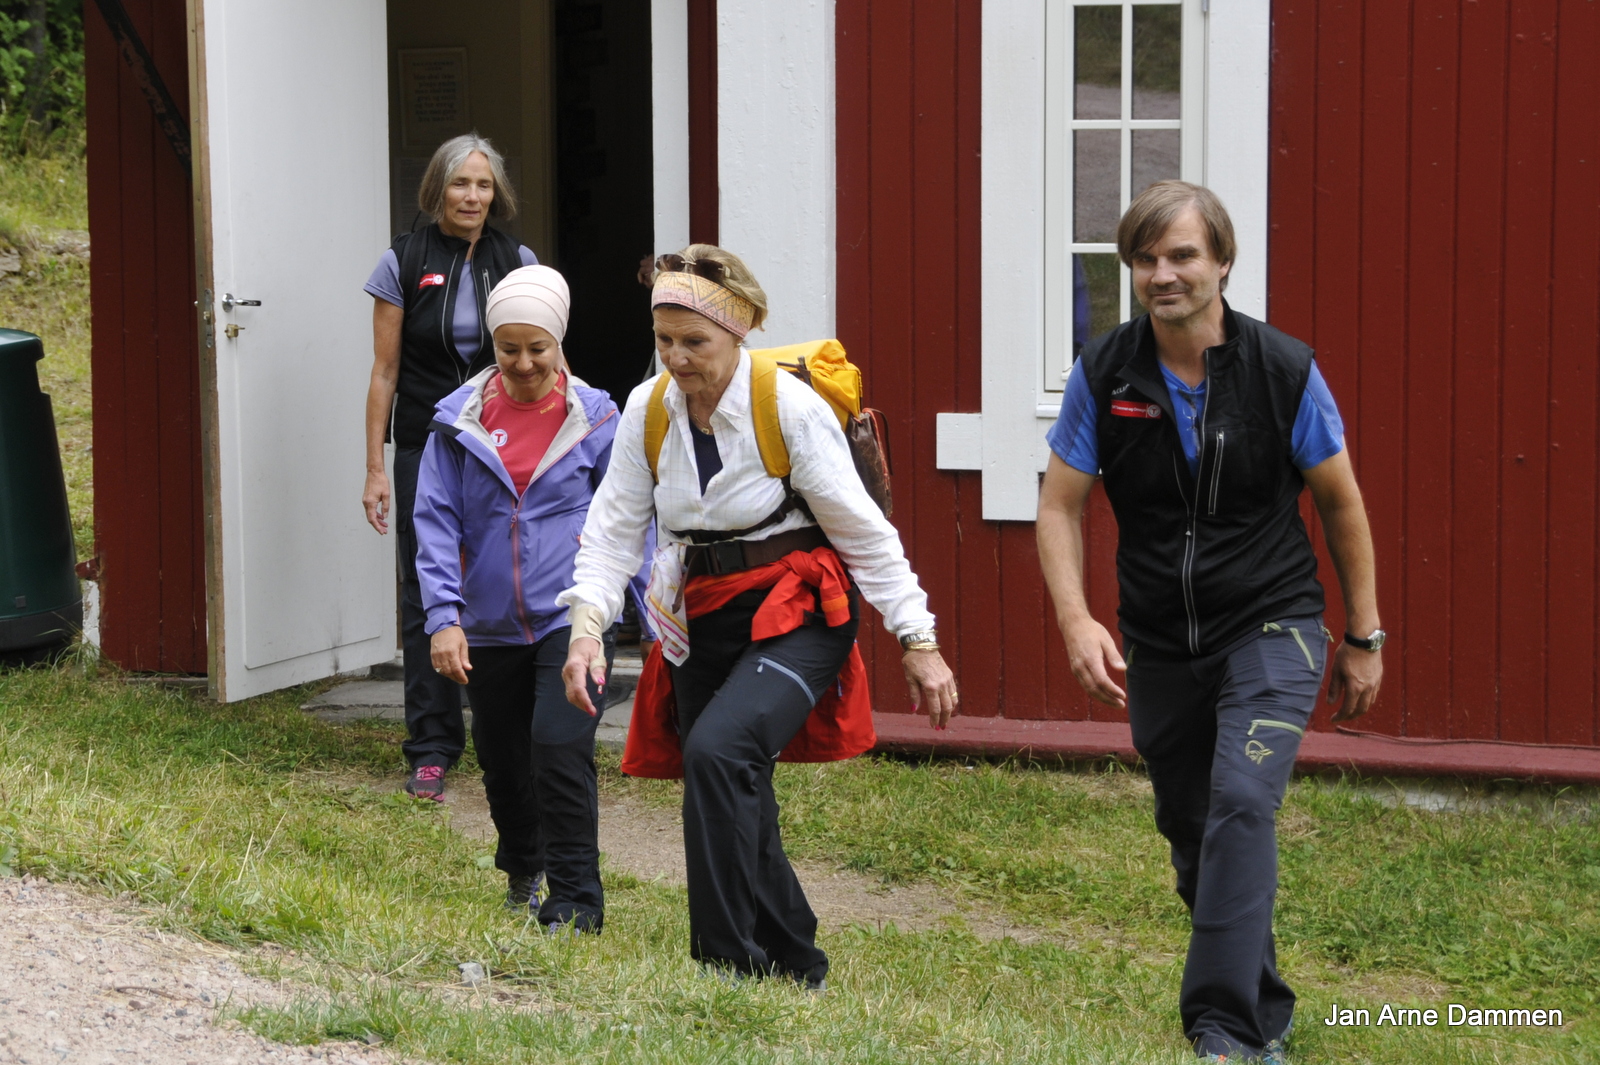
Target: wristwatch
[1372,643]
[926,640]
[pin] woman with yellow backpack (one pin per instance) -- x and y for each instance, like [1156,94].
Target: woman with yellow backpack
[767,536]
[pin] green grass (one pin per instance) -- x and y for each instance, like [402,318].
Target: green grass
[254,824]
[51,299]
[43,193]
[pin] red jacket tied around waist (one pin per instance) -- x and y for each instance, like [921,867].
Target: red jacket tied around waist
[839,726]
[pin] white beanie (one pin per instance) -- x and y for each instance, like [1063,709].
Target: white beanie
[530,295]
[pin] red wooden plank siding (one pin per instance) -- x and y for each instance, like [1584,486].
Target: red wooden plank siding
[704,193]
[1574,628]
[907,144]
[145,356]
[1435,234]
[978,663]
[1378,422]
[1424,655]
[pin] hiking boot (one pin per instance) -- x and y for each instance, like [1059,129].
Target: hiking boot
[427,782]
[524,892]
[813,981]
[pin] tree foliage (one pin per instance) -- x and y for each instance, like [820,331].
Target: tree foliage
[41,76]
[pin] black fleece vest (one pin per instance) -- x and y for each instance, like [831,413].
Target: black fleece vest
[1202,560]
[430,280]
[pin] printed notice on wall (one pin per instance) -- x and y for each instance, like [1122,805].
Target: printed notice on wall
[433,96]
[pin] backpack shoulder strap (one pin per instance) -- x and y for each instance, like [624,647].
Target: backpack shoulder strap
[655,424]
[764,409]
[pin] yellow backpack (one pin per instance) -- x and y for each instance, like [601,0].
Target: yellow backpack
[822,365]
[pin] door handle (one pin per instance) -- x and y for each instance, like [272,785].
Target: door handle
[230,301]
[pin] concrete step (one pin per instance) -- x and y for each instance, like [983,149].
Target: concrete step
[394,669]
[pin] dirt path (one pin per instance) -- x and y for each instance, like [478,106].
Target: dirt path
[647,842]
[88,980]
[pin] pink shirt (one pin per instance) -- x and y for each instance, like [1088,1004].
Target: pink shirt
[522,432]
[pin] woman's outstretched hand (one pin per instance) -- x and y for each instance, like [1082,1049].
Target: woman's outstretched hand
[586,661]
[932,685]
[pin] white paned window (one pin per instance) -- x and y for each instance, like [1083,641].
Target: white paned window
[1085,102]
[1123,108]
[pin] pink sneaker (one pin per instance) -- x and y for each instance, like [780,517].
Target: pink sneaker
[427,782]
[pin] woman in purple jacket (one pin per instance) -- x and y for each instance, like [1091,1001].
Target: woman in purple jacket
[513,459]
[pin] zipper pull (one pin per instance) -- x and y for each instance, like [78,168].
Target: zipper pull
[512,534]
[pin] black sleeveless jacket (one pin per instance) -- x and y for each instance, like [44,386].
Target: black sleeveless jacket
[430,366]
[1201,561]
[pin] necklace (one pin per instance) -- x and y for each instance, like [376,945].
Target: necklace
[706,428]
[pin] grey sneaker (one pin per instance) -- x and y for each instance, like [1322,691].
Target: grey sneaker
[1277,1051]
[524,893]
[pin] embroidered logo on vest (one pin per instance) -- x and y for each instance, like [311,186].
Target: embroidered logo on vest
[430,279]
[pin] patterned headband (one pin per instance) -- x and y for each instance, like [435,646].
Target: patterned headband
[679,288]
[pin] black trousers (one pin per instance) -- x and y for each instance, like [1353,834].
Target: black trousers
[435,734]
[537,754]
[739,704]
[1219,735]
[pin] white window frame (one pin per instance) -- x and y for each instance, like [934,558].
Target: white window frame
[1006,440]
[1060,163]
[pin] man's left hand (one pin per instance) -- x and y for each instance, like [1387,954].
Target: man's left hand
[1357,675]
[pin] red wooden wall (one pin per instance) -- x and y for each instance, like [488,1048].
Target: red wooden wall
[1435,234]
[145,360]
[909,314]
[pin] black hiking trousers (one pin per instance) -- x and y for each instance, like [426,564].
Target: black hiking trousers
[435,732]
[1219,734]
[739,704]
[537,754]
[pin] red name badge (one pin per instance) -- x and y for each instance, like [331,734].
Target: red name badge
[1124,408]
[430,279]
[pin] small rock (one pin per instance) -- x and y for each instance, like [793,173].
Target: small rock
[80,958]
[472,973]
[373,1039]
[137,1003]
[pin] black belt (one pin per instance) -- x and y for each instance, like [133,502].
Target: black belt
[731,556]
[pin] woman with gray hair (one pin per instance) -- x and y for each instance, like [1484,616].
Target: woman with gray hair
[428,338]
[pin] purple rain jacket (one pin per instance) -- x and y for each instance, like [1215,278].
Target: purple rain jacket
[518,552]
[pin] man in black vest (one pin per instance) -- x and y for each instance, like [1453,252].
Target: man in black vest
[1205,425]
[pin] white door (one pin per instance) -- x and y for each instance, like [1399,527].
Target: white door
[294,154]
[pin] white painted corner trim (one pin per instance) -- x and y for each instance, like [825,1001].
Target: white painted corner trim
[669,120]
[1011,451]
[776,158]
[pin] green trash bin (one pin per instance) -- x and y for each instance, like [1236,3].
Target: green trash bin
[41,605]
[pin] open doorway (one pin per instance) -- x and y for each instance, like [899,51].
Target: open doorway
[562,88]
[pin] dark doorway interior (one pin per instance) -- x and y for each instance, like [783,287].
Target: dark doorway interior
[604,208]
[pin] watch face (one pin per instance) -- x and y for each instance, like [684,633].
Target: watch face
[1377,638]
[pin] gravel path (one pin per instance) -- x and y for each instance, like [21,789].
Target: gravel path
[91,981]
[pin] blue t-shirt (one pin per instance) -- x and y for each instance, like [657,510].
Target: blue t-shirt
[1318,429]
[385,285]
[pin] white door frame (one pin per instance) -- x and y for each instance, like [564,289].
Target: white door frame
[1006,440]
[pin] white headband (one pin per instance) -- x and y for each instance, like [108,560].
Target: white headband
[530,295]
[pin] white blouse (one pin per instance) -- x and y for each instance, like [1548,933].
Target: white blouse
[740,495]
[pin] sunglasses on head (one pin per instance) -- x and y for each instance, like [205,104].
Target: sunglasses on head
[674,263]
